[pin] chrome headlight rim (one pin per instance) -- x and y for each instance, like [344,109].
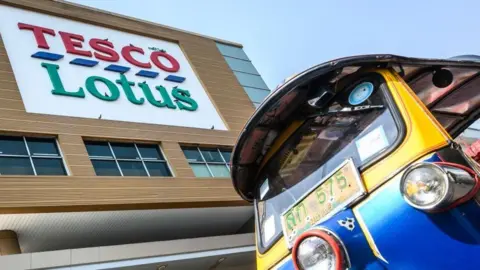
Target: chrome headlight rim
[444,196]
[330,238]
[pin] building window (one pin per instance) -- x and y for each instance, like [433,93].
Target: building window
[30,156]
[247,75]
[208,162]
[241,65]
[256,95]
[127,159]
[250,80]
[232,51]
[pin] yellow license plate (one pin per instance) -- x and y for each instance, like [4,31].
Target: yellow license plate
[335,192]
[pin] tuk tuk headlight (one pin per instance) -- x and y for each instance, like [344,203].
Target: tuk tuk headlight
[317,249]
[424,185]
[428,186]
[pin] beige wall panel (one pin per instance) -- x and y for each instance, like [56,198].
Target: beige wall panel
[177,159]
[9,84]
[81,170]
[10,94]
[78,160]
[59,193]
[75,155]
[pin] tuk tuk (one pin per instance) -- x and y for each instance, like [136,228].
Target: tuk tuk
[361,163]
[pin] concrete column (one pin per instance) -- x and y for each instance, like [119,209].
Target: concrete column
[9,243]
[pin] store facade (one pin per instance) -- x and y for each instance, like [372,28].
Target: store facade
[116,131]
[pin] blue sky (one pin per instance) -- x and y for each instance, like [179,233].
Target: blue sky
[283,37]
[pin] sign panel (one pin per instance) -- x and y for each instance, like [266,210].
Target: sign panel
[340,188]
[68,68]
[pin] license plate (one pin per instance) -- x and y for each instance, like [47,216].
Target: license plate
[336,191]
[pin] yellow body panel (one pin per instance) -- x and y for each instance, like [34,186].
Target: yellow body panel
[423,135]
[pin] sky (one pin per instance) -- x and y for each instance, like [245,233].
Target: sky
[284,37]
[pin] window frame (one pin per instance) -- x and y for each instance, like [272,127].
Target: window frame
[205,162]
[114,158]
[31,156]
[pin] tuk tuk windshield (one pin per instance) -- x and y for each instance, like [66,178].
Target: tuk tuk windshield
[319,146]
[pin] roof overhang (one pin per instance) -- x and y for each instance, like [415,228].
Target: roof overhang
[69,230]
[226,252]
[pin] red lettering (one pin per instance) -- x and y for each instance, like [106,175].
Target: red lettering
[126,53]
[155,59]
[106,47]
[72,42]
[38,32]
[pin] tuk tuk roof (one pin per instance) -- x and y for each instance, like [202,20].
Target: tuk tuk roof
[273,116]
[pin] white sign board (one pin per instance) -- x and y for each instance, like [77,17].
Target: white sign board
[63,67]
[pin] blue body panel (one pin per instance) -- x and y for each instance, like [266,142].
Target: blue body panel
[412,239]
[407,238]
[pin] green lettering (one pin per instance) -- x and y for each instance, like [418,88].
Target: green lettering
[58,88]
[127,88]
[341,180]
[301,208]
[92,88]
[291,220]
[183,96]
[321,196]
[167,102]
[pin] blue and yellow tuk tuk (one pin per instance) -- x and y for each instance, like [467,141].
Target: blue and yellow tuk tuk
[356,164]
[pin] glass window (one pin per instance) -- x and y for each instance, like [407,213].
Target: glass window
[192,154]
[149,151]
[132,168]
[226,155]
[15,166]
[247,75]
[106,168]
[12,146]
[241,65]
[124,151]
[201,170]
[48,166]
[128,159]
[256,95]
[98,149]
[250,80]
[232,51]
[40,147]
[208,162]
[219,170]
[158,168]
[30,156]
[212,155]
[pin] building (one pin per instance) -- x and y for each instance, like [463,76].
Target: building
[115,139]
